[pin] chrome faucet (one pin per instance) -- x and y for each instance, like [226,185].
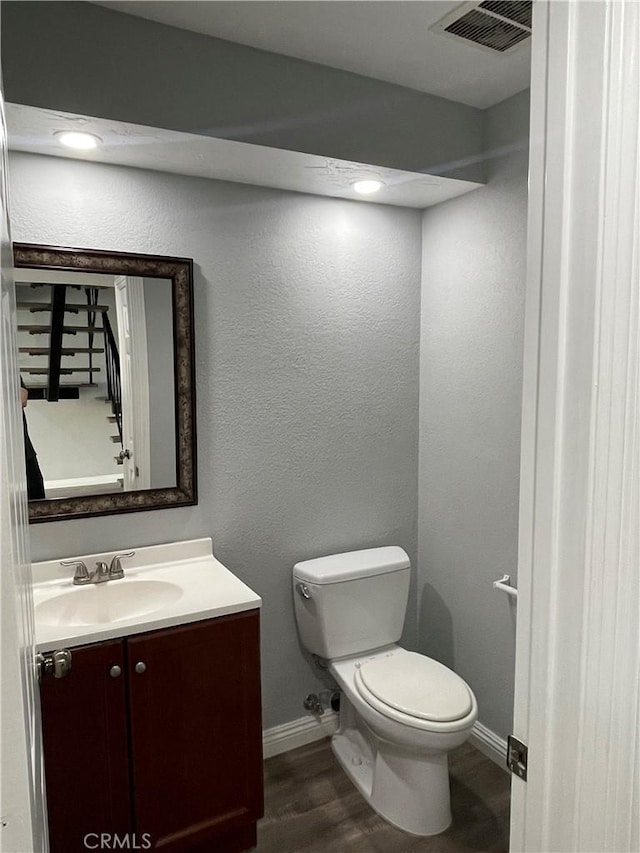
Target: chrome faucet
[101,574]
[115,568]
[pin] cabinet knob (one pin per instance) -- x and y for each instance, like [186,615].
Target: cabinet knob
[141,667]
[115,671]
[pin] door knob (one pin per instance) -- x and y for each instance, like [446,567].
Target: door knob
[140,667]
[115,671]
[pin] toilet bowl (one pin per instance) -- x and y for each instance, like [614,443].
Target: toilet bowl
[400,712]
[399,761]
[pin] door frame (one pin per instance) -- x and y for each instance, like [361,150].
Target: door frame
[577,648]
[134,380]
[23,824]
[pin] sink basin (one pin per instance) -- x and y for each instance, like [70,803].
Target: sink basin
[164,585]
[107,602]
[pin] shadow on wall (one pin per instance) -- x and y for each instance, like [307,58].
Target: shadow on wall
[435,627]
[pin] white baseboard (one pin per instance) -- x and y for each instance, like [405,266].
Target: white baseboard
[308,729]
[490,744]
[298,733]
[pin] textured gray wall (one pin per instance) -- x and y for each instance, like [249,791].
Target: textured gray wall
[81,58]
[470,397]
[307,351]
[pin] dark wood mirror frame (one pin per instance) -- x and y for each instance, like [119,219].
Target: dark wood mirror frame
[180,273]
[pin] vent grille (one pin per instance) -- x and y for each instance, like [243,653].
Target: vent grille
[512,10]
[488,31]
[492,25]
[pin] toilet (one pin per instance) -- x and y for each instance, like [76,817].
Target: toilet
[400,712]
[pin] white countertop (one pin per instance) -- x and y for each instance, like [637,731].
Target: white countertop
[206,589]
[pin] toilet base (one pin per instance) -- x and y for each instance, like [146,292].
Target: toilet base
[408,789]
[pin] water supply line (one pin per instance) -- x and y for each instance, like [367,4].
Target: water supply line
[312,703]
[327,699]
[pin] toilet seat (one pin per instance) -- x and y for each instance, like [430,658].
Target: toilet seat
[415,690]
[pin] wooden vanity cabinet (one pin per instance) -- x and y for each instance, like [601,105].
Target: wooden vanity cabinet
[85,739]
[170,750]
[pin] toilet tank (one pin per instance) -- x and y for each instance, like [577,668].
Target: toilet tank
[351,603]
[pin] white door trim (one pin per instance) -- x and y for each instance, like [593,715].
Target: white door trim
[136,419]
[22,823]
[578,649]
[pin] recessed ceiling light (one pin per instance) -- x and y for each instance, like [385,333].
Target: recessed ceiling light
[368,186]
[79,140]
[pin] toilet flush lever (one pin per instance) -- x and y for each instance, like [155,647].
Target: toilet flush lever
[303,591]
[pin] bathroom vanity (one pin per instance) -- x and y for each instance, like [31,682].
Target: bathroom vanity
[155,731]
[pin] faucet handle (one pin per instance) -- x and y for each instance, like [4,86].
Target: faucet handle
[81,573]
[115,569]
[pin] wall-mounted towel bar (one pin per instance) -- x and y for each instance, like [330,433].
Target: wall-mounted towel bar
[504,584]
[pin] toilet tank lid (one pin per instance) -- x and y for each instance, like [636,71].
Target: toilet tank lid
[337,568]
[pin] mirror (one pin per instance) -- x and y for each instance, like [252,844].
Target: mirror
[106,355]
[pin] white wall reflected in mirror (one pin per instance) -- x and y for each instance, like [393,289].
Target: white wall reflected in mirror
[111,425]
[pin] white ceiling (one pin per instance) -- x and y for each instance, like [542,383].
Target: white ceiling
[385,39]
[33,130]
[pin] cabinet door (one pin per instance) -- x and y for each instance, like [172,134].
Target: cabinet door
[86,761]
[196,734]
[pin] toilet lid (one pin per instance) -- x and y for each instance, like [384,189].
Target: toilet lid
[418,686]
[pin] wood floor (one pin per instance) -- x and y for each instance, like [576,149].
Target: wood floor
[312,807]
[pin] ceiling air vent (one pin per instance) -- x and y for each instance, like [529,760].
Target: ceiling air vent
[495,25]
